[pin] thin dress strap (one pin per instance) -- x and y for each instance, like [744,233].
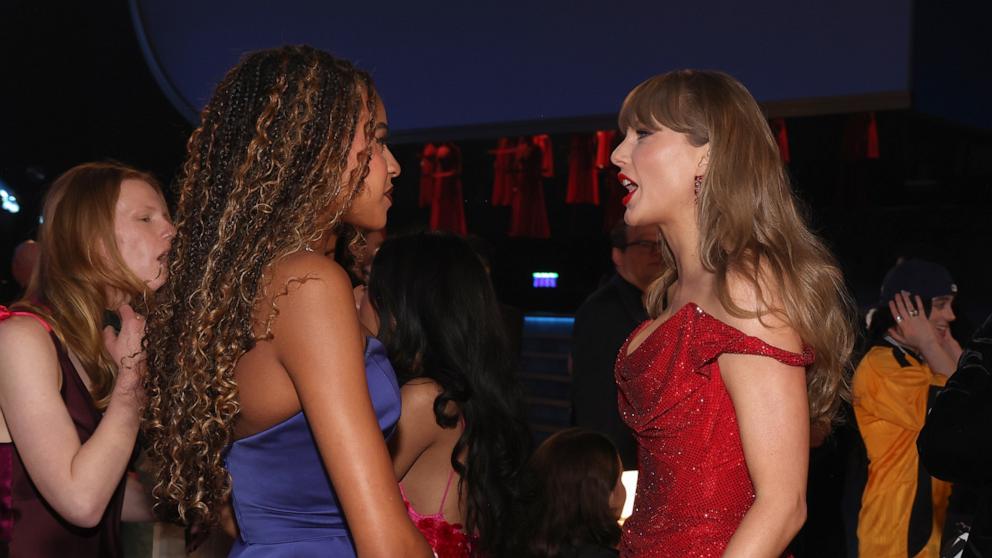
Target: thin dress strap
[451,475]
[7,313]
[444,497]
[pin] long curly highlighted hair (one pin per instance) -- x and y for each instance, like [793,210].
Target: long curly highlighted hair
[749,218]
[265,176]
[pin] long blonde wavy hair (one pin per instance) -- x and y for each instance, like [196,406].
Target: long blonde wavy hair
[750,224]
[80,266]
[265,176]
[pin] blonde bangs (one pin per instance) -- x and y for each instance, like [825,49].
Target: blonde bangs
[665,100]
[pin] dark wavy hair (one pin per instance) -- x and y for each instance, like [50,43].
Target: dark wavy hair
[439,319]
[566,499]
[265,176]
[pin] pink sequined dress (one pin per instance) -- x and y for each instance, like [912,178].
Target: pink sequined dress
[693,488]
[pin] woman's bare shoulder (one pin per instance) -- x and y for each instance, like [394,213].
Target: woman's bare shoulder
[761,298]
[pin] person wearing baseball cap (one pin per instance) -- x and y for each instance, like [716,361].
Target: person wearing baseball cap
[910,355]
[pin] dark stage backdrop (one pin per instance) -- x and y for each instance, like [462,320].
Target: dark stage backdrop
[451,63]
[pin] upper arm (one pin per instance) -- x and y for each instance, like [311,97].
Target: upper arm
[318,341]
[33,410]
[418,428]
[771,404]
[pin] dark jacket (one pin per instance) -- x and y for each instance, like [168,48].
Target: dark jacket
[956,442]
[602,324]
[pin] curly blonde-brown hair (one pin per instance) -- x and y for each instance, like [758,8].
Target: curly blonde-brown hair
[750,223]
[264,178]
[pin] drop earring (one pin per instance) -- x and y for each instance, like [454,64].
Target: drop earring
[697,183]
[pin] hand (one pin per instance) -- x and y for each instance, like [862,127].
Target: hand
[911,319]
[125,349]
[950,345]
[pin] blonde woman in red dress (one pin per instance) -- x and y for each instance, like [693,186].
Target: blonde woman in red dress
[751,329]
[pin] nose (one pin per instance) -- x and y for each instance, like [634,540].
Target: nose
[620,155]
[950,314]
[392,165]
[170,230]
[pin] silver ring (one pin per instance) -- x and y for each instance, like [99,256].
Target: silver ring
[898,318]
[914,313]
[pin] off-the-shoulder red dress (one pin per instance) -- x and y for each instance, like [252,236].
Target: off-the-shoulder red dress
[693,487]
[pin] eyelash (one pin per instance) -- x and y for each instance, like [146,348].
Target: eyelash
[643,133]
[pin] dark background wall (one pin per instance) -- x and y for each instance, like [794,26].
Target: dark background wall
[75,87]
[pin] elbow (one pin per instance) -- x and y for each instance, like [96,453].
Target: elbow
[796,517]
[788,513]
[83,512]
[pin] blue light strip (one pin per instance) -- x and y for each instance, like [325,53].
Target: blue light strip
[549,320]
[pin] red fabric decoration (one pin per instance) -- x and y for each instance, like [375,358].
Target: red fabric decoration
[448,204]
[861,137]
[543,142]
[503,175]
[529,217]
[428,159]
[871,151]
[604,148]
[781,138]
[583,176]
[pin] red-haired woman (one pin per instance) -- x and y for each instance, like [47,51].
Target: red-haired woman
[69,386]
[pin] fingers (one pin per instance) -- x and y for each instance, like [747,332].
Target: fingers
[126,312]
[893,307]
[920,310]
[902,304]
[109,336]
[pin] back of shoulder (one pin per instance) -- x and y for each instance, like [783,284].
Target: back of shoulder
[23,330]
[24,339]
[311,274]
[303,265]
[771,327]
[420,393]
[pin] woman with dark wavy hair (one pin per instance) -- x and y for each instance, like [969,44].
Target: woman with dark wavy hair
[262,387]
[462,438]
[572,498]
[70,390]
[751,330]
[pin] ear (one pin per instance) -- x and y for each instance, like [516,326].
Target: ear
[617,255]
[704,160]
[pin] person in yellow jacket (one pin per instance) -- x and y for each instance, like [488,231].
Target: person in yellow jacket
[911,354]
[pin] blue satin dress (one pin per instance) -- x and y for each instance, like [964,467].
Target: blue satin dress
[282,496]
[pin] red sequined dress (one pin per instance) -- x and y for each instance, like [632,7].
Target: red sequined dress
[693,487]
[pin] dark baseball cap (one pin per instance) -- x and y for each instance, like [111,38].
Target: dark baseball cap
[919,277]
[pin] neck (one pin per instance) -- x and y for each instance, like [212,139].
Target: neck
[325,244]
[683,240]
[893,334]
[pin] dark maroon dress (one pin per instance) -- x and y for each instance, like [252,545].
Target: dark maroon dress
[28,525]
